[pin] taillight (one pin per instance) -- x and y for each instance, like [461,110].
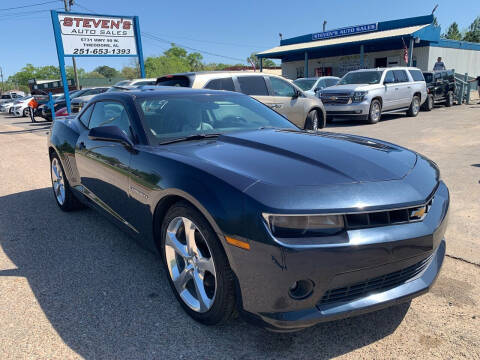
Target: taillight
[61,112]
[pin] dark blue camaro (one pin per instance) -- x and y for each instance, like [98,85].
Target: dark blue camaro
[250,213]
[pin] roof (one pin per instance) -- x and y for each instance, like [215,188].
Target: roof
[343,40]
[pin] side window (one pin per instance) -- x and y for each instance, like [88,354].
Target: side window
[221,84]
[281,87]
[110,113]
[322,84]
[253,85]
[85,117]
[389,77]
[438,76]
[400,76]
[417,75]
[445,75]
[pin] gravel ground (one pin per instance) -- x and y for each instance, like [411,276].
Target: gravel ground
[74,286]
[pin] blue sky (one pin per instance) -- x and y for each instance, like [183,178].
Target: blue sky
[230,28]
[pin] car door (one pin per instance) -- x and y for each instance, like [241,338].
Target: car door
[291,101]
[104,166]
[256,87]
[390,96]
[404,88]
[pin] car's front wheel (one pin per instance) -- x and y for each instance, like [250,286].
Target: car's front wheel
[26,112]
[414,108]
[314,121]
[428,105]
[449,100]
[375,111]
[197,266]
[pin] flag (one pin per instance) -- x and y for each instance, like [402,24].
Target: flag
[405,51]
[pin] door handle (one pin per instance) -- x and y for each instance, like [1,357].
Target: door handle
[396,88]
[81,146]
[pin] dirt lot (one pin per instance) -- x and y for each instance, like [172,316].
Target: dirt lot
[74,286]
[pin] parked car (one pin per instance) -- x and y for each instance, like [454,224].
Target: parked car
[8,97]
[367,94]
[250,212]
[312,85]
[8,106]
[60,102]
[287,99]
[441,88]
[20,107]
[138,82]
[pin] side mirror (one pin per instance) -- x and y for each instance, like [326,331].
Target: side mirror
[387,81]
[110,133]
[296,94]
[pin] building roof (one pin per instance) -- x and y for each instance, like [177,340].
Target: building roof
[343,40]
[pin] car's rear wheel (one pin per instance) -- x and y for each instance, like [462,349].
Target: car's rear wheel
[197,267]
[375,112]
[60,186]
[428,105]
[449,99]
[414,108]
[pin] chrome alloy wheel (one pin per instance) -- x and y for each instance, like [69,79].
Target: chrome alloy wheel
[375,112]
[190,264]
[416,105]
[58,181]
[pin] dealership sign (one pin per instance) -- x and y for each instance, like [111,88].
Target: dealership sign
[351,30]
[95,35]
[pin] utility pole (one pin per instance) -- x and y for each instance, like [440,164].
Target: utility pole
[324,25]
[68,5]
[1,76]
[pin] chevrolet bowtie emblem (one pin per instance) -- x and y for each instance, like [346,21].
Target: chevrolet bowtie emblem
[333,98]
[418,213]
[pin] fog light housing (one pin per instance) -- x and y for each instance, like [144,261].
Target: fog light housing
[301,289]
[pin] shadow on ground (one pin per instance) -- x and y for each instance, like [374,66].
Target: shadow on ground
[109,298]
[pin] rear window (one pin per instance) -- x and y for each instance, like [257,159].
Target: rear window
[221,84]
[174,80]
[416,75]
[400,76]
[253,85]
[428,77]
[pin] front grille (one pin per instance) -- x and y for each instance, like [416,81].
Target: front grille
[374,285]
[336,98]
[388,217]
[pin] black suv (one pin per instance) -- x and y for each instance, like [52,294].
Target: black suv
[440,88]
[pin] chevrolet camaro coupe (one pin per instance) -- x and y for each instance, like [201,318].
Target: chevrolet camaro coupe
[250,214]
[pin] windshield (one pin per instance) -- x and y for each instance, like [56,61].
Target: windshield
[123,83]
[361,77]
[428,77]
[305,84]
[175,116]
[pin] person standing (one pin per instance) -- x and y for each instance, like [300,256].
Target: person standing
[32,105]
[439,65]
[477,79]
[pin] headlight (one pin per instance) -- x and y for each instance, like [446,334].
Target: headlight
[358,96]
[294,226]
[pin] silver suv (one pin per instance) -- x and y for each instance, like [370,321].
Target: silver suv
[367,94]
[304,110]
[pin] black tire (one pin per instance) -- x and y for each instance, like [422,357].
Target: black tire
[428,104]
[26,112]
[71,202]
[223,307]
[315,120]
[449,99]
[375,112]
[414,108]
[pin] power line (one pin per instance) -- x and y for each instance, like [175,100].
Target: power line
[26,6]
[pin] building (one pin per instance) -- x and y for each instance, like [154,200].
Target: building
[412,41]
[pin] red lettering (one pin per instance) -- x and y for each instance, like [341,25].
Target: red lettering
[126,25]
[105,24]
[116,24]
[96,23]
[86,23]
[77,21]
[68,21]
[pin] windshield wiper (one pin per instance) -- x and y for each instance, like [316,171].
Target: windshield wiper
[190,137]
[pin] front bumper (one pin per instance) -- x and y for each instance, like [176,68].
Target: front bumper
[265,277]
[356,110]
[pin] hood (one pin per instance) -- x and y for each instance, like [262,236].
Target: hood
[349,87]
[297,158]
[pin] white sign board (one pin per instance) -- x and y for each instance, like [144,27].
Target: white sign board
[97,35]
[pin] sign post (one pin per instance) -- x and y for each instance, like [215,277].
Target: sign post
[93,35]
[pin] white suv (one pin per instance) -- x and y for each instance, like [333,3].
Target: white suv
[367,94]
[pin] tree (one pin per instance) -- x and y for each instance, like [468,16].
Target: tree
[173,60]
[129,72]
[195,61]
[253,59]
[453,33]
[106,71]
[93,75]
[473,32]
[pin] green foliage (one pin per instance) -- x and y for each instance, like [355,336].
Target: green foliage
[173,60]
[267,63]
[31,72]
[106,71]
[93,75]
[130,72]
[453,33]
[473,32]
